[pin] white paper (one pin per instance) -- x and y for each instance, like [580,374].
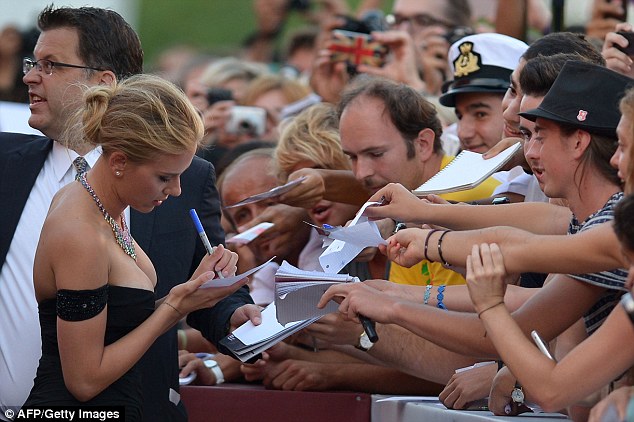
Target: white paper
[248,333]
[339,253]
[228,281]
[251,234]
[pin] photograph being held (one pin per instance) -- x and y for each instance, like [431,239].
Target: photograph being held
[94,285]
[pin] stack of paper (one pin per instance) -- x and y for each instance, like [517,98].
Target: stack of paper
[297,292]
[466,171]
[248,340]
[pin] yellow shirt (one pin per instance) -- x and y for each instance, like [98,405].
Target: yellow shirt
[434,273]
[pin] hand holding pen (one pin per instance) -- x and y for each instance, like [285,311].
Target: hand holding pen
[203,236]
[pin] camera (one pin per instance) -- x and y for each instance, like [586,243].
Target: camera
[218,94]
[247,121]
[629,50]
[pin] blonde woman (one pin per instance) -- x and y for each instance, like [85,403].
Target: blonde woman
[94,285]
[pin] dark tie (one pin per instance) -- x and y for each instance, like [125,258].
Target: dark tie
[81,165]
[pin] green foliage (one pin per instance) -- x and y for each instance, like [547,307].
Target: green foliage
[217,26]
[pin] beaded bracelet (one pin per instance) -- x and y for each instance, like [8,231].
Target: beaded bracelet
[427,293]
[440,297]
[427,242]
[442,259]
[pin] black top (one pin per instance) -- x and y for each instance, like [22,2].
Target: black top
[127,309]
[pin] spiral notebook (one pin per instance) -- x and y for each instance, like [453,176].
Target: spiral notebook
[466,171]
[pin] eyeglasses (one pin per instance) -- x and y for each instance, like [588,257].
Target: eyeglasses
[419,21]
[47,66]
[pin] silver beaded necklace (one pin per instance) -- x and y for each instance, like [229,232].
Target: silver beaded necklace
[121,234]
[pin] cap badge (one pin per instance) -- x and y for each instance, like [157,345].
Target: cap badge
[467,62]
[582,115]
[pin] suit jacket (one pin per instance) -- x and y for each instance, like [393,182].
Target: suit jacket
[166,234]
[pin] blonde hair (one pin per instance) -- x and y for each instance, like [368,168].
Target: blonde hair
[627,107]
[142,116]
[291,89]
[312,135]
[226,69]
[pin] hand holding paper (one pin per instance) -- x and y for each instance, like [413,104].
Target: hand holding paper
[273,193]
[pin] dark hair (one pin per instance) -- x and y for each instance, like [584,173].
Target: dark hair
[540,72]
[557,42]
[106,40]
[408,110]
[458,12]
[598,154]
[623,227]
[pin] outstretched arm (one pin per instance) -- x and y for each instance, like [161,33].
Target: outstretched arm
[589,251]
[611,348]
[402,205]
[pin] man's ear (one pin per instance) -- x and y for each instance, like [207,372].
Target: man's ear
[424,144]
[580,142]
[107,78]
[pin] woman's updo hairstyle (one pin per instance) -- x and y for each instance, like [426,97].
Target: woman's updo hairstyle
[142,116]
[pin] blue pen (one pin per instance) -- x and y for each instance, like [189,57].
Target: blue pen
[203,236]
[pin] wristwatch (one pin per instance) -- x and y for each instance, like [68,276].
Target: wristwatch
[215,368]
[364,342]
[517,395]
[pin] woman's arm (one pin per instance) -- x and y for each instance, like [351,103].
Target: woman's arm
[552,385]
[85,265]
[590,251]
[402,205]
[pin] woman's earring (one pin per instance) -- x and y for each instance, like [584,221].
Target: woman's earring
[117,173]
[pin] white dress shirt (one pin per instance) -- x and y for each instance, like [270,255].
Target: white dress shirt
[20,342]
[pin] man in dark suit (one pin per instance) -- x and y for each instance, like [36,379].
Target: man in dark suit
[72,51]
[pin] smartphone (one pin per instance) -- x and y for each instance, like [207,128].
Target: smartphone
[629,50]
[541,345]
[356,48]
[247,120]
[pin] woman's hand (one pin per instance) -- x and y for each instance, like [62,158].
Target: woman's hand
[486,276]
[221,260]
[398,203]
[467,386]
[189,362]
[407,247]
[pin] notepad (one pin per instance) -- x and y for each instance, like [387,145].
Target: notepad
[466,171]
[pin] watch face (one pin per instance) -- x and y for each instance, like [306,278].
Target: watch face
[210,363]
[365,342]
[517,395]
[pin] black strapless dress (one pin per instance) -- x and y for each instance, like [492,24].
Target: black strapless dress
[127,309]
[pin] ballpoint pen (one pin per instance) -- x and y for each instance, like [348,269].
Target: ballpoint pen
[203,236]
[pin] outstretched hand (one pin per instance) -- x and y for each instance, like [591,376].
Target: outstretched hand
[398,203]
[486,276]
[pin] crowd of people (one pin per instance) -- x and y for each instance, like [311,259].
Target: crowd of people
[101,264]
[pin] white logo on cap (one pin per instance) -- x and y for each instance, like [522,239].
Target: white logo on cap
[582,115]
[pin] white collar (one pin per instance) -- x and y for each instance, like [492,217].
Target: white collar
[62,159]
